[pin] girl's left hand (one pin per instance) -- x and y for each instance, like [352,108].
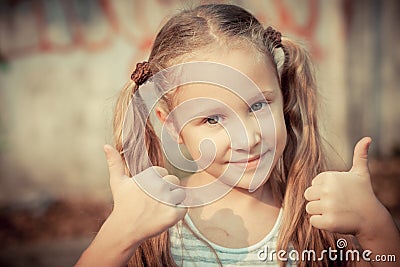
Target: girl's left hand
[344,202]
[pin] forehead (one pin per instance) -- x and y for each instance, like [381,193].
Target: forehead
[253,75]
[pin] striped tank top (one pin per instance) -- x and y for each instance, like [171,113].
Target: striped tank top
[189,251]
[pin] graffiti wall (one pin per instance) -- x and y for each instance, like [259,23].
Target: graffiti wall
[63,63]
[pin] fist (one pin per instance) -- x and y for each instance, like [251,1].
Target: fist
[139,214]
[344,202]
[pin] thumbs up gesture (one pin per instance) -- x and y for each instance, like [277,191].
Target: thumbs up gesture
[344,202]
[136,216]
[134,211]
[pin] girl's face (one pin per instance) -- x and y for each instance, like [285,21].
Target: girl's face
[231,139]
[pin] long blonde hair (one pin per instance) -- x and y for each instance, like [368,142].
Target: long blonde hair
[303,157]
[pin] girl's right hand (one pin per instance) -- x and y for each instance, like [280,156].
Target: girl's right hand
[139,215]
[136,216]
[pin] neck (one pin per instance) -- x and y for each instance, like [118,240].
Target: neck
[239,200]
[238,219]
[241,197]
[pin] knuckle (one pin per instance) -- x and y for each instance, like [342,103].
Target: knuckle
[163,189]
[111,163]
[330,222]
[159,171]
[172,179]
[331,177]
[170,199]
[330,204]
[181,195]
[325,190]
[325,176]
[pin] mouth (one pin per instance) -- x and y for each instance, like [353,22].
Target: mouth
[248,163]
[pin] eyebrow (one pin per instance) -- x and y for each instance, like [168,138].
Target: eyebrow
[207,112]
[266,93]
[219,109]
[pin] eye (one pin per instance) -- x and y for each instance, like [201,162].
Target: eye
[213,119]
[258,106]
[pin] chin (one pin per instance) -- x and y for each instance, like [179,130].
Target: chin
[245,183]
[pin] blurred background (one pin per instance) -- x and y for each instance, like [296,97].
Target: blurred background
[63,62]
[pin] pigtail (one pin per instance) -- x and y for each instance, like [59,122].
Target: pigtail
[303,157]
[134,136]
[137,142]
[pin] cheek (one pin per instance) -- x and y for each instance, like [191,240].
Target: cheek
[206,146]
[221,142]
[192,143]
[281,134]
[274,130]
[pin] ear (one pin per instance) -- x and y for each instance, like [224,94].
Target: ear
[167,122]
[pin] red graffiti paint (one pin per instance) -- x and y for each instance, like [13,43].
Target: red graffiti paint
[137,32]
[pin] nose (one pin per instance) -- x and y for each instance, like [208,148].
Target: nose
[245,134]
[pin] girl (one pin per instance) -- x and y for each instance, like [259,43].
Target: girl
[297,206]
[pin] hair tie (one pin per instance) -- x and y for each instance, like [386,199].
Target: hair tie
[142,73]
[272,37]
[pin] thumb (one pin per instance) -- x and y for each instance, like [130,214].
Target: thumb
[360,157]
[115,164]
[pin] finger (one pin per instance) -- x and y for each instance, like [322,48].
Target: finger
[180,212]
[116,166]
[314,208]
[318,180]
[178,195]
[161,172]
[313,193]
[151,178]
[325,222]
[317,221]
[360,157]
[172,180]
[152,171]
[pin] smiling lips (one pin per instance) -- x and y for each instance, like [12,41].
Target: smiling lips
[250,163]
